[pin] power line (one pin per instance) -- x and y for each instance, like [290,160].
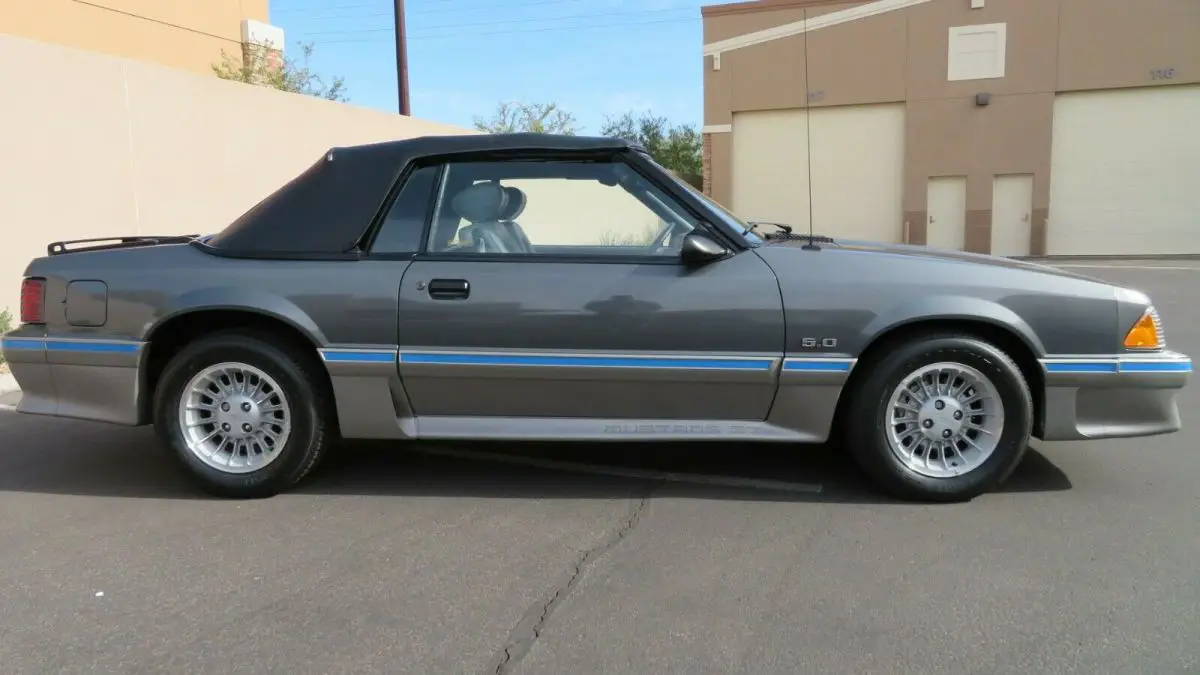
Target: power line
[441,10]
[325,6]
[572,17]
[157,21]
[295,10]
[562,29]
[439,6]
[493,6]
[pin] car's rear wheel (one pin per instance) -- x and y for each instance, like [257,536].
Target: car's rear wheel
[244,417]
[941,417]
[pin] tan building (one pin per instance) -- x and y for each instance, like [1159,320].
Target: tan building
[1016,127]
[186,34]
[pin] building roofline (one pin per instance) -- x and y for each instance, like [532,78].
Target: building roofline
[749,6]
[804,25]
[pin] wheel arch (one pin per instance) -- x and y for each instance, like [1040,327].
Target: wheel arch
[166,337]
[233,299]
[1010,339]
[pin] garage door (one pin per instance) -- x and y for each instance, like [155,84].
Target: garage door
[857,169]
[770,166]
[1124,172]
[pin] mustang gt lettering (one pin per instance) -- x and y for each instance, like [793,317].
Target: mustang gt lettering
[539,287]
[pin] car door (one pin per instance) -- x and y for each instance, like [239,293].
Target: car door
[555,289]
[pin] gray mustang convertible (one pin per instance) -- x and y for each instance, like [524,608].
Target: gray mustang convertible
[540,287]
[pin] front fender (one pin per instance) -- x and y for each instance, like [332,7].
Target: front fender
[947,308]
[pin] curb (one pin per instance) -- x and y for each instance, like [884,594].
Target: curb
[10,393]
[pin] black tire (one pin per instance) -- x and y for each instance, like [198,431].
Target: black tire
[866,417]
[310,432]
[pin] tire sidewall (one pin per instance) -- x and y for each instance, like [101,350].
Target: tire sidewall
[874,451]
[295,453]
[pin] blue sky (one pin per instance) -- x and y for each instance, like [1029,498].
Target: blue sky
[593,57]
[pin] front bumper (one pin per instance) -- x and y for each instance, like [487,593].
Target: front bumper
[1117,396]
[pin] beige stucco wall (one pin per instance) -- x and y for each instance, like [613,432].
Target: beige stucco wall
[94,145]
[187,34]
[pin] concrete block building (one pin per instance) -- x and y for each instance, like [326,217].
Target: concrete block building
[1016,127]
[185,34]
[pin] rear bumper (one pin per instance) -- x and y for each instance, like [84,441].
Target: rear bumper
[1118,396]
[89,379]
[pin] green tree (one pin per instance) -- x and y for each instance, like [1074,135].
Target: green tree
[678,147]
[539,118]
[267,67]
[6,324]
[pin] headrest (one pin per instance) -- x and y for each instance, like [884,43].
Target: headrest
[516,203]
[480,203]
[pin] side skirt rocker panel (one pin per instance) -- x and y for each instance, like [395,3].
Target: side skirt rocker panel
[372,386]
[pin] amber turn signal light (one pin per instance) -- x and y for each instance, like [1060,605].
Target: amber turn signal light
[1144,334]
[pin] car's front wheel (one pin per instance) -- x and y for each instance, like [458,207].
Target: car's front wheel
[940,418]
[243,416]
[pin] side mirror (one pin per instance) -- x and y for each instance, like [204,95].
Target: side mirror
[698,249]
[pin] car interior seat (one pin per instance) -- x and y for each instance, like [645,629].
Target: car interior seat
[515,233]
[482,205]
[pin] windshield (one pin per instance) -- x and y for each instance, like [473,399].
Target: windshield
[725,214]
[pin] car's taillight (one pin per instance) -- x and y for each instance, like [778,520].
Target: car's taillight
[33,301]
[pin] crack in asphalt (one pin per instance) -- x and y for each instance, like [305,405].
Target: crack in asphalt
[529,627]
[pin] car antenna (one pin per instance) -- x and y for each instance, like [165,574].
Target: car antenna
[811,244]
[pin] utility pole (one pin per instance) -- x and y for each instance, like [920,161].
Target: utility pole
[401,59]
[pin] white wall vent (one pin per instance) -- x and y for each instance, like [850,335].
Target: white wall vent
[976,52]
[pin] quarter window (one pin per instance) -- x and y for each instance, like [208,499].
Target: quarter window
[405,221]
[555,208]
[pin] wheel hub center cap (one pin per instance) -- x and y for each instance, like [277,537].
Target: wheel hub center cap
[238,416]
[941,418]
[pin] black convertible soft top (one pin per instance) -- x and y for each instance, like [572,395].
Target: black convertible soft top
[326,209]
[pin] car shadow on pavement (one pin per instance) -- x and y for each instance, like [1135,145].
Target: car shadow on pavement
[79,458]
[743,472]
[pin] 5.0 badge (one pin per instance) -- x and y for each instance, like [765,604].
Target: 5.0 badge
[823,343]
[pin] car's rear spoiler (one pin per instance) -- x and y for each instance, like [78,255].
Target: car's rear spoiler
[60,247]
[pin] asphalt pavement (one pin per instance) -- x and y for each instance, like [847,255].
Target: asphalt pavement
[578,559]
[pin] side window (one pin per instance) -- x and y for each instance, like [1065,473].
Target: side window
[529,207]
[401,229]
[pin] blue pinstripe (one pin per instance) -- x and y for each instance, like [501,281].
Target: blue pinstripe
[572,361]
[1120,365]
[352,356]
[91,346]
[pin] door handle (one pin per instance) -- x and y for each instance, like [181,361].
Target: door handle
[449,289]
